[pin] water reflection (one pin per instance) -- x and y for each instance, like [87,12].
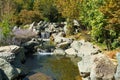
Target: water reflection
[59,68]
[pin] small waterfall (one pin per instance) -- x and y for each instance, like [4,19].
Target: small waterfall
[45,35]
[45,53]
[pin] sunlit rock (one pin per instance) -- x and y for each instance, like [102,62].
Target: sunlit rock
[102,68]
[71,51]
[59,51]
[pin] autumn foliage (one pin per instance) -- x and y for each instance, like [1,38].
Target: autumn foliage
[100,17]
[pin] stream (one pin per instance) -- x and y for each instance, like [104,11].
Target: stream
[57,67]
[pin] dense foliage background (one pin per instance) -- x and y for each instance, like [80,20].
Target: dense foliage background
[100,17]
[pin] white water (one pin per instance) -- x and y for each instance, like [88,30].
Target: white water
[45,53]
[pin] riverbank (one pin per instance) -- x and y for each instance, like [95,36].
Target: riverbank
[71,56]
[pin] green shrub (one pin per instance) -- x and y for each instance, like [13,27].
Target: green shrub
[4,25]
[116,43]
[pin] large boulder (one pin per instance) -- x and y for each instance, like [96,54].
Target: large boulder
[102,68]
[11,52]
[29,46]
[10,48]
[117,74]
[59,51]
[15,56]
[23,35]
[84,66]
[8,69]
[86,50]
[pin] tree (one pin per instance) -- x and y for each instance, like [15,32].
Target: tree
[6,13]
[23,4]
[28,16]
[6,8]
[111,11]
[47,8]
[92,18]
[102,18]
[69,8]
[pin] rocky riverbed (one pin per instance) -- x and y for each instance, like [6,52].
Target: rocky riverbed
[43,52]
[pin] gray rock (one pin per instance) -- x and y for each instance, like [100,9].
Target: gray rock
[84,65]
[51,27]
[63,45]
[76,45]
[102,68]
[10,48]
[62,34]
[58,39]
[65,27]
[76,23]
[117,74]
[59,51]
[15,56]
[31,43]
[29,46]
[8,69]
[8,56]
[71,51]
[9,53]
[24,35]
[86,50]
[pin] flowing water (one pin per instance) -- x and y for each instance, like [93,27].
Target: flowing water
[59,68]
